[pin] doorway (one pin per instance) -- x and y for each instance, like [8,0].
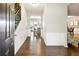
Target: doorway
[73,31]
[35,27]
[73,25]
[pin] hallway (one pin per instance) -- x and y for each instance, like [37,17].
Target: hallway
[40,49]
[22,24]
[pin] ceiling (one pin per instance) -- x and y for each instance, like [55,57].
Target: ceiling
[72,9]
[35,10]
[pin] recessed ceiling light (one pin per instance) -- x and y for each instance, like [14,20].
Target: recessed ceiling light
[34,4]
[35,17]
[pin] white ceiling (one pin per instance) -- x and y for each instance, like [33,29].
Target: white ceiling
[73,9]
[34,9]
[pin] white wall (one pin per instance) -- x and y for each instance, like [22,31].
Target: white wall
[76,30]
[54,24]
[21,31]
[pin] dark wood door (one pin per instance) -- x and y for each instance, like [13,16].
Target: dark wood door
[6,30]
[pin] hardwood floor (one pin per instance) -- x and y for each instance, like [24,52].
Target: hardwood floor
[61,51]
[38,48]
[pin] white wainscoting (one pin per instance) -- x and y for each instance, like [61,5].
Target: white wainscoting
[56,39]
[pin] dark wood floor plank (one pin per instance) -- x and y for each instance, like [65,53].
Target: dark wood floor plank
[43,50]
